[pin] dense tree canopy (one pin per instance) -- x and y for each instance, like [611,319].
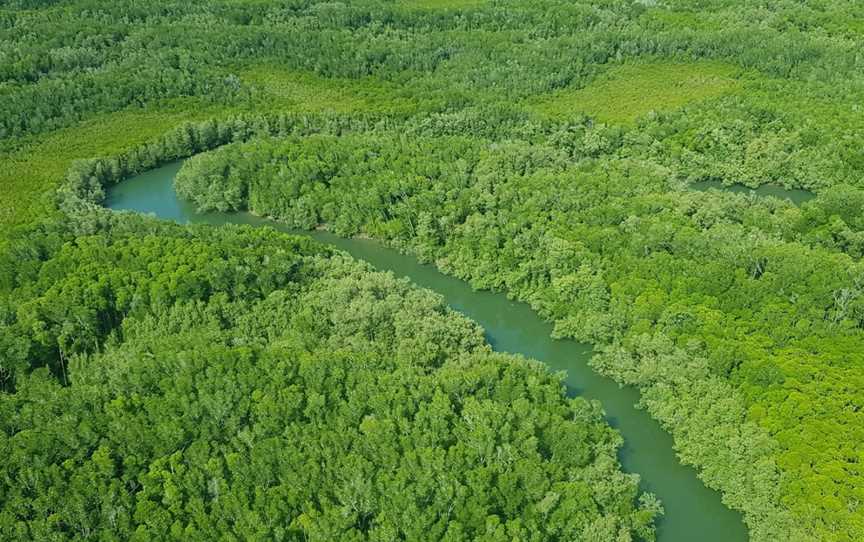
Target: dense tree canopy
[745,285]
[547,149]
[242,383]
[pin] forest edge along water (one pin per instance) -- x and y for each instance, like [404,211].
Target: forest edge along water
[693,512]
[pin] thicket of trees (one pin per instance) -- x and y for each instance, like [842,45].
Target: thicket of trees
[73,59]
[700,294]
[740,319]
[194,384]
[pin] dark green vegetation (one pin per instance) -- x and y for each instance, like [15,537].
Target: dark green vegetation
[507,142]
[736,298]
[690,509]
[251,385]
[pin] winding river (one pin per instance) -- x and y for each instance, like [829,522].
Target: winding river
[694,513]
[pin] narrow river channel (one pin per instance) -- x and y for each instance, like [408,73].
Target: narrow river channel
[694,513]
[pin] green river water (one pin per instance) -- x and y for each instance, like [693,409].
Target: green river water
[694,513]
[795,195]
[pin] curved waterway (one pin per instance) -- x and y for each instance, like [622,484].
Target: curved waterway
[693,512]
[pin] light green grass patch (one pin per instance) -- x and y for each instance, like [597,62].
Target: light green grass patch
[627,92]
[443,4]
[35,168]
[306,92]
[670,19]
[37,164]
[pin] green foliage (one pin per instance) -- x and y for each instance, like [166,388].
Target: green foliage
[544,148]
[631,91]
[32,170]
[298,91]
[733,281]
[245,384]
[445,4]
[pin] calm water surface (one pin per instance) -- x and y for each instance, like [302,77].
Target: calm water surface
[795,195]
[694,513]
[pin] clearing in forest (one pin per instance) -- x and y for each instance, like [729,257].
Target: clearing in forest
[627,92]
[307,92]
